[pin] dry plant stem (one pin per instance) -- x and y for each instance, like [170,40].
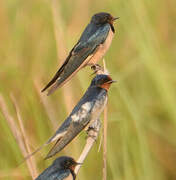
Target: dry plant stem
[16,132]
[92,131]
[25,137]
[105,127]
[105,70]
[100,70]
[47,105]
[62,50]
[58,30]
[105,144]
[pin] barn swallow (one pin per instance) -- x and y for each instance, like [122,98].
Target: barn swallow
[92,46]
[84,113]
[61,169]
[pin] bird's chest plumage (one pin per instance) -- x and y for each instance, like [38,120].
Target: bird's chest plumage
[98,107]
[102,49]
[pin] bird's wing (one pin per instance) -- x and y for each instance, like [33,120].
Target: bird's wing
[80,120]
[56,76]
[60,175]
[53,173]
[79,56]
[64,174]
[46,174]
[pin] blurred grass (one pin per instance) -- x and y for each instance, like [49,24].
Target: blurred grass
[141,112]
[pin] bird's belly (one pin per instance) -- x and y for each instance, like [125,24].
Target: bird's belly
[102,49]
[99,107]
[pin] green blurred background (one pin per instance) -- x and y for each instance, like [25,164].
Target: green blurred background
[35,38]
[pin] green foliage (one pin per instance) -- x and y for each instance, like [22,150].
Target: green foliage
[141,108]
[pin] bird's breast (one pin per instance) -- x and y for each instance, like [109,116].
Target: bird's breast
[98,108]
[102,49]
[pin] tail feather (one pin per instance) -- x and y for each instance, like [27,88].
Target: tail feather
[33,153]
[72,132]
[53,88]
[51,82]
[56,137]
[52,151]
[58,73]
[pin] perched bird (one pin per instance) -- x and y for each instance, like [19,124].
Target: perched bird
[84,113]
[92,46]
[62,168]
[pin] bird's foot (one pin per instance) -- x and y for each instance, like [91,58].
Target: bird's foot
[97,69]
[92,132]
[91,135]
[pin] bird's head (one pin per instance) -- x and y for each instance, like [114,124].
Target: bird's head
[103,18]
[66,162]
[102,81]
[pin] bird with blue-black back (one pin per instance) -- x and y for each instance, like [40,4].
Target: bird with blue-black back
[87,110]
[61,169]
[91,47]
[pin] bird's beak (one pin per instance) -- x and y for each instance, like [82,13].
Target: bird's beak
[115,18]
[77,163]
[112,81]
